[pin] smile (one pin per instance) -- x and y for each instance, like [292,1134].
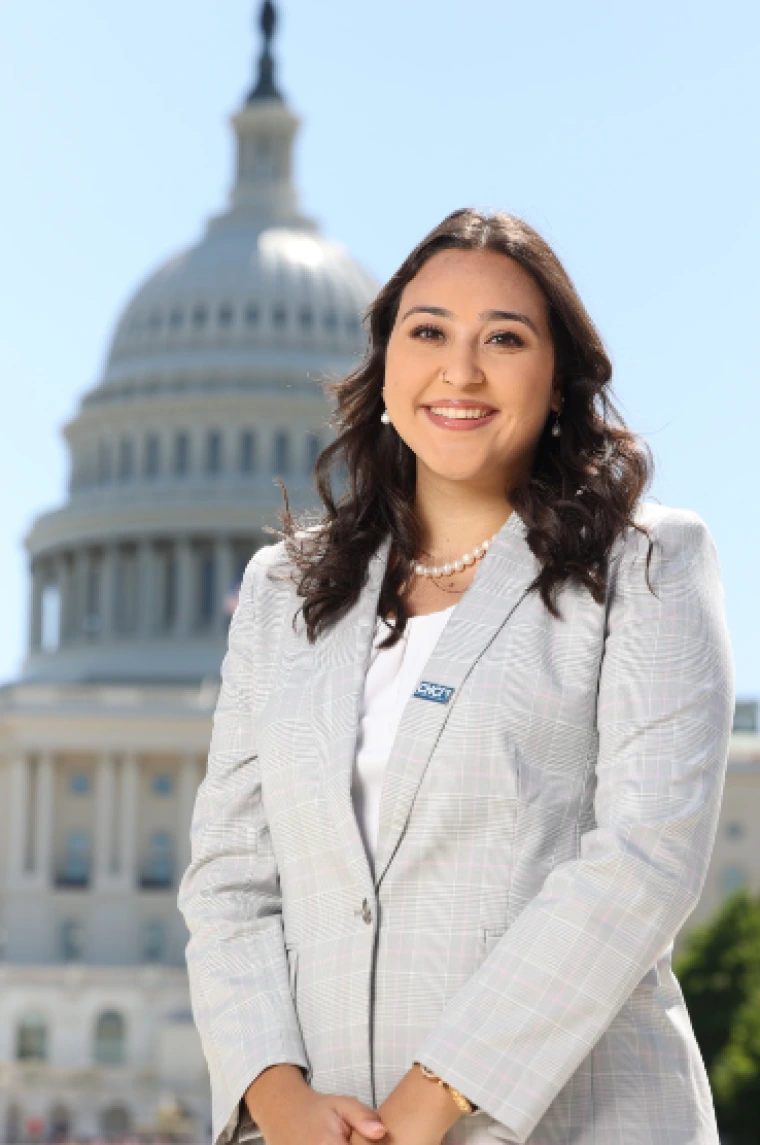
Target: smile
[462,418]
[453,412]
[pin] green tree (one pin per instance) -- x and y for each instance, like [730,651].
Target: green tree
[736,1076]
[719,973]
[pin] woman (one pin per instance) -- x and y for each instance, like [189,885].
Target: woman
[469,749]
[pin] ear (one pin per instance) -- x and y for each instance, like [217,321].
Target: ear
[557,397]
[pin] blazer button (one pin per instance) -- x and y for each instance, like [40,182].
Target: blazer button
[365,912]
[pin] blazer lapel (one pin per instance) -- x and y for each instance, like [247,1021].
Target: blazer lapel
[340,665]
[500,582]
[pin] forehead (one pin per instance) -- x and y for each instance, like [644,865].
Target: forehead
[474,279]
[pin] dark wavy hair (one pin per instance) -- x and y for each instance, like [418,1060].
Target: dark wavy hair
[581,492]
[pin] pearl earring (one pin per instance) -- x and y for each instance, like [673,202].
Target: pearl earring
[556,428]
[385,417]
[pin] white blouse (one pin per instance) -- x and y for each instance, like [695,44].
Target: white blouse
[390,681]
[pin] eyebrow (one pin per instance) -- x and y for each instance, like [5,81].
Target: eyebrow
[484,316]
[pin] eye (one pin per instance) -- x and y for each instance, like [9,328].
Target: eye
[427,333]
[506,338]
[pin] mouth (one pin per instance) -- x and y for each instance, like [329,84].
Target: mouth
[464,416]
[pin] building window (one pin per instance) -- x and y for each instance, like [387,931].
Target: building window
[79,783]
[31,1038]
[155,321]
[176,319]
[71,937]
[181,454]
[200,314]
[75,869]
[252,314]
[109,1039]
[116,1123]
[126,459]
[733,878]
[153,941]
[353,325]
[163,783]
[159,867]
[225,315]
[330,321]
[281,452]
[306,318]
[214,452]
[152,455]
[247,451]
[279,315]
[313,448]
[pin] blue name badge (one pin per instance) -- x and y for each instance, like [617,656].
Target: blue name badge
[438,693]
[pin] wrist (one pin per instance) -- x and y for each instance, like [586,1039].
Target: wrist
[273,1086]
[463,1105]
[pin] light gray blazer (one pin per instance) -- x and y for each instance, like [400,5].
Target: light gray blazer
[543,836]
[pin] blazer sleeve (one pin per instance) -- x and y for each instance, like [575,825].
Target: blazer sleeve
[230,899]
[514,1033]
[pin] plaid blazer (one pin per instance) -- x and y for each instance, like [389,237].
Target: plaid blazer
[543,836]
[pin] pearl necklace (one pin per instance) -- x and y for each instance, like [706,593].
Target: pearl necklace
[457,565]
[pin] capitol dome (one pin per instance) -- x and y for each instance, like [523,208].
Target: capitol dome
[210,391]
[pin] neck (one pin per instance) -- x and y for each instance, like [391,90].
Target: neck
[455,516]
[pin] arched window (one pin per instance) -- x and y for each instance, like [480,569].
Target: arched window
[75,869]
[214,452]
[31,1038]
[313,447]
[126,458]
[281,457]
[109,1039]
[71,940]
[152,455]
[247,451]
[59,1120]
[159,867]
[181,453]
[153,941]
[115,1122]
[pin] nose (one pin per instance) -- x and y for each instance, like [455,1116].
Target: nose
[462,367]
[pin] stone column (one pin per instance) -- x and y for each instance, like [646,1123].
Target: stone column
[39,573]
[224,560]
[190,777]
[80,573]
[146,588]
[128,808]
[108,592]
[18,818]
[43,840]
[185,587]
[105,804]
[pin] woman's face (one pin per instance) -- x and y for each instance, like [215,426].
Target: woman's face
[469,368]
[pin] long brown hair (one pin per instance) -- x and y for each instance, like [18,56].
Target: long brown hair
[582,490]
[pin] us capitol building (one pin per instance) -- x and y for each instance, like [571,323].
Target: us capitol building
[209,390]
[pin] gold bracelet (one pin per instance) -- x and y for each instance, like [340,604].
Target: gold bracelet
[462,1104]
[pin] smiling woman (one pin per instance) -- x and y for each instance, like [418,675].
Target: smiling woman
[449,830]
[496,391]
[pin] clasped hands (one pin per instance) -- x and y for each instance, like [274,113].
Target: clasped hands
[416,1112]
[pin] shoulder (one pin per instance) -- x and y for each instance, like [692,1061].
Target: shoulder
[680,541]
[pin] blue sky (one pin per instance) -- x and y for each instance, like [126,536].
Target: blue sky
[627,134]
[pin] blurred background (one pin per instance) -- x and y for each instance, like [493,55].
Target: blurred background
[197,210]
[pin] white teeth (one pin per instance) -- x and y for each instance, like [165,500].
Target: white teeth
[456,412]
